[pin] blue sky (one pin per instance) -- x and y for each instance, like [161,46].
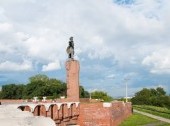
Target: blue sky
[114,40]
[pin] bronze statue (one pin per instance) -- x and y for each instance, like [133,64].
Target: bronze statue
[70,49]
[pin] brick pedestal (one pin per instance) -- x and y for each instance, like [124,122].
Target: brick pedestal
[72,69]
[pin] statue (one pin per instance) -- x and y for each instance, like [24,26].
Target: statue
[70,49]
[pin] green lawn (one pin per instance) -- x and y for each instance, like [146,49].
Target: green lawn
[159,111]
[141,120]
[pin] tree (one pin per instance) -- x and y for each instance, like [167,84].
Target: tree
[34,88]
[160,91]
[142,97]
[101,95]
[12,91]
[83,93]
[0,94]
[39,85]
[156,97]
[39,77]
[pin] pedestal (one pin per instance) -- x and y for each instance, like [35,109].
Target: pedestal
[72,70]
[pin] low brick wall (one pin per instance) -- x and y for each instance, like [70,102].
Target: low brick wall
[101,114]
[11,101]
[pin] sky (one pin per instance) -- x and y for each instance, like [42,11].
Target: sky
[117,42]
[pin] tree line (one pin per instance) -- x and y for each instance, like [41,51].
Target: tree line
[41,85]
[155,97]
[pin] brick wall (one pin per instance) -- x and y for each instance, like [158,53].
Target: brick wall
[86,114]
[10,101]
[95,114]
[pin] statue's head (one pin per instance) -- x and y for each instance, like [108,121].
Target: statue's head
[71,38]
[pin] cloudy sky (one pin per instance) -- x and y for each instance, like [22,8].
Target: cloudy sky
[115,41]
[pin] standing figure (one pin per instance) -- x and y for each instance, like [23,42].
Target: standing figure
[70,49]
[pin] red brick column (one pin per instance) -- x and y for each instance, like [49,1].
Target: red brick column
[53,112]
[40,111]
[60,112]
[72,68]
[65,113]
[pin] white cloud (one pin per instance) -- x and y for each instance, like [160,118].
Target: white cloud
[111,76]
[51,66]
[4,27]
[104,28]
[159,61]
[39,31]
[21,36]
[14,66]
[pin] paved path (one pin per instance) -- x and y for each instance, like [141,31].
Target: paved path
[153,116]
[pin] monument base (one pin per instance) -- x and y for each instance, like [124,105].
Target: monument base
[72,69]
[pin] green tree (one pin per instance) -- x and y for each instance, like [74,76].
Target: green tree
[33,89]
[0,94]
[160,91]
[101,95]
[39,77]
[142,97]
[156,97]
[83,93]
[12,91]
[57,86]
[39,85]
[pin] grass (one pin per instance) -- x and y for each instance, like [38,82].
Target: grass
[154,108]
[141,120]
[159,111]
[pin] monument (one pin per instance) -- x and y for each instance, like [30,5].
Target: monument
[67,112]
[72,74]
